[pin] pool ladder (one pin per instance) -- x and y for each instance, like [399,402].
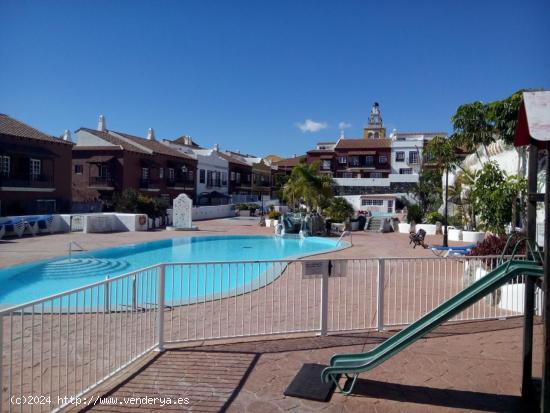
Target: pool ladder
[80,248]
[344,233]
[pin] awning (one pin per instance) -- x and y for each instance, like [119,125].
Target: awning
[100,159]
[29,151]
[534,118]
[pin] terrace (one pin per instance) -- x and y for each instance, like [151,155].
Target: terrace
[239,352]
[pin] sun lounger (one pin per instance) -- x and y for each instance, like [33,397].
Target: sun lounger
[14,225]
[442,251]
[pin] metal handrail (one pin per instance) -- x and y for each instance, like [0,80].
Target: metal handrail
[342,236]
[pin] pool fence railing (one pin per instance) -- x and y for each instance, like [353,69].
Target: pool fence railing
[69,343]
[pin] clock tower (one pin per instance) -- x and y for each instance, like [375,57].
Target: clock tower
[375,128]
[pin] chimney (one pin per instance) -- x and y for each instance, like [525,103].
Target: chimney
[217,147]
[187,140]
[101,125]
[294,155]
[150,134]
[67,135]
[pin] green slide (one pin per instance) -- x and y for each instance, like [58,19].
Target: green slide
[353,364]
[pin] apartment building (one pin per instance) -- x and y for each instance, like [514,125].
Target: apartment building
[106,162]
[34,170]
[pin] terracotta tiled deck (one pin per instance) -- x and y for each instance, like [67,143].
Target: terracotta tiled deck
[469,366]
[472,366]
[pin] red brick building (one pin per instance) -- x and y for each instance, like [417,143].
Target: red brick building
[106,162]
[353,158]
[34,170]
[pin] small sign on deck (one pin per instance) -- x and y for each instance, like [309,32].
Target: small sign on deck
[314,269]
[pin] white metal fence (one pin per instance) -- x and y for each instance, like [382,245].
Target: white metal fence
[67,344]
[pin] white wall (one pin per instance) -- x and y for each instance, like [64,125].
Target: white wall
[211,212]
[380,182]
[114,222]
[408,145]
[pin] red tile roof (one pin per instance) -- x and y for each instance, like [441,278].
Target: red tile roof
[153,145]
[13,127]
[363,143]
[290,161]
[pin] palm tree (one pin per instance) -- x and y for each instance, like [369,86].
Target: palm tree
[306,185]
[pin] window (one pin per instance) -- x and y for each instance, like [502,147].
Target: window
[224,178]
[413,157]
[400,156]
[382,159]
[376,175]
[376,135]
[190,175]
[354,161]
[103,171]
[371,135]
[171,174]
[370,160]
[161,173]
[238,178]
[347,175]
[78,169]
[144,173]
[405,171]
[218,179]
[5,165]
[232,176]
[372,202]
[342,159]
[326,164]
[209,179]
[201,176]
[45,206]
[35,168]
[390,206]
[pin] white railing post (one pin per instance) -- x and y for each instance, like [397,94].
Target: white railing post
[324,300]
[380,295]
[107,296]
[160,312]
[134,293]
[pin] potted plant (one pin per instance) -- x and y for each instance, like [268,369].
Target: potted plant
[272,219]
[339,210]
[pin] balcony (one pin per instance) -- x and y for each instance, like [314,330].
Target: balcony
[40,182]
[102,182]
[179,183]
[149,184]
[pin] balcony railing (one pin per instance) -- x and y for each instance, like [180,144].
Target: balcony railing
[179,182]
[32,181]
[149,183]
[102,181]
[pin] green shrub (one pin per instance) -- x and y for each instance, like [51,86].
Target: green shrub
[133,202]
[414,213]
[274,215]
[339,210]
[433,217]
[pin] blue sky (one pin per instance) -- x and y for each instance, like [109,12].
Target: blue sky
[245,75]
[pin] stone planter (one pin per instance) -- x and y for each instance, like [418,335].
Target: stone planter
[404,228]
[473,236]
[429,228]
[271,223]
[455,234]
[244,213]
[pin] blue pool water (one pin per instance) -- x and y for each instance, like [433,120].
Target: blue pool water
[24,283]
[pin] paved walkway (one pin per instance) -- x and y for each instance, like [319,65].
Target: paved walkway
[463,367]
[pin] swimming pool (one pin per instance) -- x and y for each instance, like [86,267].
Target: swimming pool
[23,283]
